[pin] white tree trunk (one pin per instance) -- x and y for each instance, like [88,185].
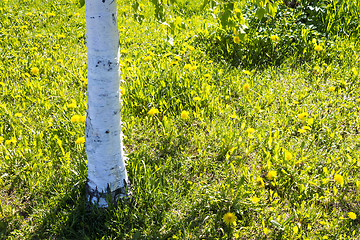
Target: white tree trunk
[107,175]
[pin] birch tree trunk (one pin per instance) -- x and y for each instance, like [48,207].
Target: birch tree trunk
[107,176]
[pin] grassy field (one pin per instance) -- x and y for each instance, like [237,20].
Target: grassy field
[215,150]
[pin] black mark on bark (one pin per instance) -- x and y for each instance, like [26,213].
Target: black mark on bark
[107,131]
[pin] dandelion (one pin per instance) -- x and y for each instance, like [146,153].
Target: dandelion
[246,87]
[192,68]
[153,111]
[236,10]
[318,48]
[236,39]
[310,121]
[255,199]
[229,218]
[11,141]
[51,14]
[266,231]
[288,155]
[35,71]
[191,48]
[352,215]
[339,179]
[1,140]
[187,66]
[196,99]
[260,182]
[75,119]
[184,115]
[122,90]
[72,105]
[250,130]
[271,175]
[80,140]
[83,118]
[207,75]
[331,89]
[303,115]
[301,130]
[247,72]
[233,116]
[275,38]
[124,51]
[18,115]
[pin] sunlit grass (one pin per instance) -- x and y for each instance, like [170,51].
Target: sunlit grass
[214,151]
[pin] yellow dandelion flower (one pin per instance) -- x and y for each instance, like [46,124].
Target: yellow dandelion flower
[80,140]
[246,87]
[196,99]
[266,231]
[260,182]
[331,89]
[124,51]
[207,75]
[288,155]
[255,199]
[339,179]
[250,130]
[307,128]
[83,118]
[1,140]
[318,48]
[271,175]
[18,115]
[122,90]
[191,48]
[76,14]
[352,215]
[275,38]
[229,218]
[184,115]
[187,66]
[153,111]
[72,105]
[233,116]
[310,121]
[75,119]
[236,10]
[247,72]
[301,130]
[35,71]
[51,14]
[236,39]
[303,115]
[11,141]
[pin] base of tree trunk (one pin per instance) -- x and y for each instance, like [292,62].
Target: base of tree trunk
[102,199]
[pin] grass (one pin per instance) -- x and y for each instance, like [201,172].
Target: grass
[298,121]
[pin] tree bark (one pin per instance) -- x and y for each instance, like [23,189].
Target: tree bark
[107,176]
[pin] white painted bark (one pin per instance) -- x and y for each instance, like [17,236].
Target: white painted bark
[103,137]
